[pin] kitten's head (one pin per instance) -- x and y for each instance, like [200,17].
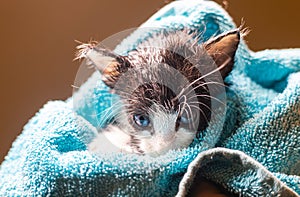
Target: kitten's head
[164,97]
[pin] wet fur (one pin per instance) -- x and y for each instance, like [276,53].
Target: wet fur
[146,92]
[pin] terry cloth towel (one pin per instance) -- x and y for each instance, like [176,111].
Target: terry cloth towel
[257,153]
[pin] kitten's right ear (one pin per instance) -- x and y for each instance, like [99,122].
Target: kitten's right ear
[109,64]
[222,49]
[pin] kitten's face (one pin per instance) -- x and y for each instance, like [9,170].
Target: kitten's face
[164,99]
[158,120]
[158,130]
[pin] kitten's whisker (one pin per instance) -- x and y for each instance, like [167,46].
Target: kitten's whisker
[108,113]
[110,108]
[204,115]
[208,96]
[209,108]
[217,83]
[111,111]
[204,84]
[215,70]
[123,93]
[190,109]
[184,104]
[188,114]
[179,95]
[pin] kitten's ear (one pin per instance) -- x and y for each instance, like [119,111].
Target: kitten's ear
[222,49]
[109,64]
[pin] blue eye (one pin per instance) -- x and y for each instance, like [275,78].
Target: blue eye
[183,119]
[141,120]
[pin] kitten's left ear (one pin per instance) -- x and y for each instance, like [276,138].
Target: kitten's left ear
[222,49]
[109,64]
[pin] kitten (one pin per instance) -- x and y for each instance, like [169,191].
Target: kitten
[165,101]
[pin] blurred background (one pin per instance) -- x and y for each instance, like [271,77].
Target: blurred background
[37,44]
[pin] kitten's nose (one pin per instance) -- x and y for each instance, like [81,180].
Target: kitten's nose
[164,125]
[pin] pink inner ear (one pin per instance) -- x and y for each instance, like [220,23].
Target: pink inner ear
[107,63]
[222,49]
[111,74]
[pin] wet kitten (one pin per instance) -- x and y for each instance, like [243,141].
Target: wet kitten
[165,101]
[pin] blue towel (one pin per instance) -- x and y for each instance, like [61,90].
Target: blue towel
[256,154]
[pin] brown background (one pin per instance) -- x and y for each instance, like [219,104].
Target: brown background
[37,44]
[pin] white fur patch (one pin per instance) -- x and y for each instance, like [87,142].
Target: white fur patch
[155,140]
[165,137]
[113,139]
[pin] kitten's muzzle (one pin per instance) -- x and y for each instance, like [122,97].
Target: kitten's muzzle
[167,137]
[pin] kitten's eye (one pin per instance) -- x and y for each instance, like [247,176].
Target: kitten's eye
[183,119]
[141,120]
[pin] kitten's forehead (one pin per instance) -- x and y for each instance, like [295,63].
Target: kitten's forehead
[166,87]
[178,49]
[153,97]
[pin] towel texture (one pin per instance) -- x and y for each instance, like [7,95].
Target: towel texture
[257,153]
